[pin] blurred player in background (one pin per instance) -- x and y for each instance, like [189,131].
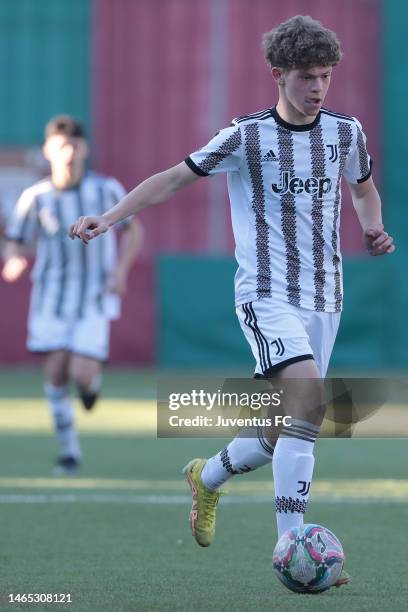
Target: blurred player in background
[284,168]
[76,291]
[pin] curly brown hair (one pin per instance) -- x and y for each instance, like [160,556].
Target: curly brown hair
[301,42]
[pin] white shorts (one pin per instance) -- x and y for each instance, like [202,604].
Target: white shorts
[87,336]
[280,334]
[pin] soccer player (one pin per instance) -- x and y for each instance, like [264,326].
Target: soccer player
[284,167]
[76,291]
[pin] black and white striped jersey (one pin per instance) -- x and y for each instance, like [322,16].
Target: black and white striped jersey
[284,184]
[68,276]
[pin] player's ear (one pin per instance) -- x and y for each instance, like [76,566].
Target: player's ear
[278,75]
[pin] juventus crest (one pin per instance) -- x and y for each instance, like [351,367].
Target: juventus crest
[334,152]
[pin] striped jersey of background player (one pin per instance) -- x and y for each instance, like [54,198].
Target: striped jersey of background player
[284,167]
[75,291]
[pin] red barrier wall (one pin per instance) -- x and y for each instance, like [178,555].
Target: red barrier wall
[14,302]
[151,104]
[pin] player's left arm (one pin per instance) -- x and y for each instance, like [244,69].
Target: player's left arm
[367,204]
[129,247]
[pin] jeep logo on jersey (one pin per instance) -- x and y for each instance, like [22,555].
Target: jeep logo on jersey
[295,185]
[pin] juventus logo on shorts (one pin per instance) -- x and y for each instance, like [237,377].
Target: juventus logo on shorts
[304,489]
[334,153]
[280,349]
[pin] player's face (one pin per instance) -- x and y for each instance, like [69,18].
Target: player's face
[66,154]
[305,88]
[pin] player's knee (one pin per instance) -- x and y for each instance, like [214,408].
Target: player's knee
[83,373]
[304,398]
[81,378]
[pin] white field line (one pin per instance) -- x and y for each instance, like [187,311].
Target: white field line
[141,491]
[170,500]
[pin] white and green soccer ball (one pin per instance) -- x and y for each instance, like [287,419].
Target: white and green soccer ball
[308,559]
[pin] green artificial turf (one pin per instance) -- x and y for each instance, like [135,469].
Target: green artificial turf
[117,537]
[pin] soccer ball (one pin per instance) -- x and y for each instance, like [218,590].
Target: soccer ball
[308,559]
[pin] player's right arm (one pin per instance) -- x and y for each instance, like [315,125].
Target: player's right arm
[14,261]
[158,188]
[21,229]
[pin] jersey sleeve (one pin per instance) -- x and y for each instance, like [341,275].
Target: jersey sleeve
[222,154]
[358,163]
[23,221]
[116,193]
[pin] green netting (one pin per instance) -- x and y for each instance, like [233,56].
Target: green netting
[197,322]
[44,65]
[198,325]
[395,192]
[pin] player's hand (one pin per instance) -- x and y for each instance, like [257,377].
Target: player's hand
[14,268]
[377,241]
[87,228]
[117,282]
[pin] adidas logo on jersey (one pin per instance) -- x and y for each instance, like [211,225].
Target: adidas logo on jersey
[270,156]
[295,185]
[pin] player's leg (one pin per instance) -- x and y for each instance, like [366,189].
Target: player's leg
[86,373]
[249,450]
[246,452]
[48,334]
[293,459]
[62,411]
[89,345]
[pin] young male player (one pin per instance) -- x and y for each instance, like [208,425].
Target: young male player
[284,167]
[75,290]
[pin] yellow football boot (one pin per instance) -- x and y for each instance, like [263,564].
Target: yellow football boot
[205,502]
